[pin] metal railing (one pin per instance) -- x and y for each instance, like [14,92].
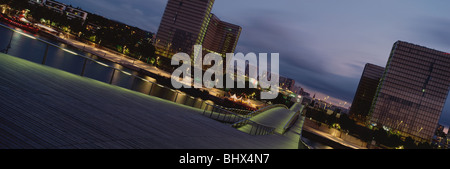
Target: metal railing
[256,112]
[294,117]
[291,122]
[221,114]
[255,128]
[241,112]
[139,84]
[117,76]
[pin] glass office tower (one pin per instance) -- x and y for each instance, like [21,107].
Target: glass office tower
[183,25]
[412,91]
[365,93]
[221,37]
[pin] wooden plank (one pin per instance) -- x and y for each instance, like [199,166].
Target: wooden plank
[42,107]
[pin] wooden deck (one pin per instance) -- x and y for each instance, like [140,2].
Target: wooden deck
[42,107]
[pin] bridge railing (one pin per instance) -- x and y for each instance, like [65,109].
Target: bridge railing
[89,66]
[255,128]
[299,110]
[256,112]
[218,113]
[241,112]
[221,114]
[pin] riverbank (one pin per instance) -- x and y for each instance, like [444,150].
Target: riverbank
[136,65]
[331,137]
[36,50]
[70,44]
[324,141]
[46,108]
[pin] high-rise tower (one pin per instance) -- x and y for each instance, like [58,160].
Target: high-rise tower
[412,91]
[183,25]
[365,93]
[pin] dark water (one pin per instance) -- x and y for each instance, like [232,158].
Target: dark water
[40,52]
[26,46]
[315,145]
[35,50]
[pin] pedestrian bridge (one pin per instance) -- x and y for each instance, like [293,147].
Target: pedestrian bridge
[278,117]
[43,107]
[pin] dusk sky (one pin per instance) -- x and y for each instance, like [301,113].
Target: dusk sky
[323,44]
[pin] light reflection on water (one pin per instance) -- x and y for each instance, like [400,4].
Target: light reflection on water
[315,145]
[34,51]
[100,69]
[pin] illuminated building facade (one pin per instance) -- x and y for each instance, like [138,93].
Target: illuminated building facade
[365,92]
[286,83]
[221,37]
[70,12]
[187,23]
[412,91]
[183,25]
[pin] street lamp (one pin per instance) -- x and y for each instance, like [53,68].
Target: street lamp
[9,44]
[399,123]
[419,131]
[168,47]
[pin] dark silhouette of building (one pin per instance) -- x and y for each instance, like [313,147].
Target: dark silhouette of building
[303,93]
[412,91]
[365,92]
[440,138]
[286,83]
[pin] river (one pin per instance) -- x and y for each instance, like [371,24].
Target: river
[26,46]
[69,59]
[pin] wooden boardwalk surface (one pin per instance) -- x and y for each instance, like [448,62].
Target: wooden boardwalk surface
[42,107]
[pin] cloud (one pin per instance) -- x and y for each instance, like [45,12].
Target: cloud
[269,35]
[300,59]
[335,86]
[140,13]
[266,29]
[323,45]
[434,31]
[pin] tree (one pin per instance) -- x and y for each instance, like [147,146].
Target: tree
[424,145]
[346,123]
[147,50]
[280,99]
[364,133]
[394,140]
[331,119]
[409,143]
[76,25]
[381,136]
[16,4]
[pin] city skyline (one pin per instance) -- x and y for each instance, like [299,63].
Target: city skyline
[323,45]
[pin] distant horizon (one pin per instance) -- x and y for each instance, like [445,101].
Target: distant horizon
[323,45]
